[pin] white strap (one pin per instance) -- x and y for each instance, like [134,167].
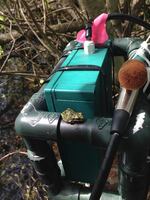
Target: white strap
[147,85]
[145,48]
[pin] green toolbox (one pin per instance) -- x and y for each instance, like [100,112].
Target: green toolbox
[83,83]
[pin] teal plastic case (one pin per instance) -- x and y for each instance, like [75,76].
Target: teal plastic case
[82,82]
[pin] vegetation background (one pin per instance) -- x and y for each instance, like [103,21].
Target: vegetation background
[33,34]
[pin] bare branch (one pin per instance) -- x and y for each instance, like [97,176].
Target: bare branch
[113,7]
[13,44]
[136,6]
[20,28]
[67,27]
[93,8]
[25,18]
[6,37]
[15,73]
[13,153]
[44,16]
[45,38]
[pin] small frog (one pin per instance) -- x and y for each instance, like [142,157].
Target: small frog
[71,116]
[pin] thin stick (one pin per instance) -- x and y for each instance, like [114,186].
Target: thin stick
[13,44]
[11,154]
[53,49]
[44,16]
[21,74]
[23,15]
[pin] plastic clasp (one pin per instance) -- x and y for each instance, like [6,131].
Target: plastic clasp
[89,47]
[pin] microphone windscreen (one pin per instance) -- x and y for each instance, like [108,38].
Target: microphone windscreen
[132,75]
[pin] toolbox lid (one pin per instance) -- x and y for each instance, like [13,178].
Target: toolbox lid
[78,57]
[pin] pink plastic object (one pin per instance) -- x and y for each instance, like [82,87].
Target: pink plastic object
[99,34]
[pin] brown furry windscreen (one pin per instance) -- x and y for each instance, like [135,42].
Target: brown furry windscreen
[132,75]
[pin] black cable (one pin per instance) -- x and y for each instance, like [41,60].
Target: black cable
[105,167]
[120,16]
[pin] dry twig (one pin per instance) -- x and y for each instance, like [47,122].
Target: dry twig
[12,47]
[11,154]
[15,73]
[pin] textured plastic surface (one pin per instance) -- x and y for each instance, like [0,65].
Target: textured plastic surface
[86,91]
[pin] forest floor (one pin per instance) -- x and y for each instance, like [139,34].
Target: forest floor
[18,181]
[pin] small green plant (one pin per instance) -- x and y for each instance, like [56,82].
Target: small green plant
[1,52]
[2,19]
